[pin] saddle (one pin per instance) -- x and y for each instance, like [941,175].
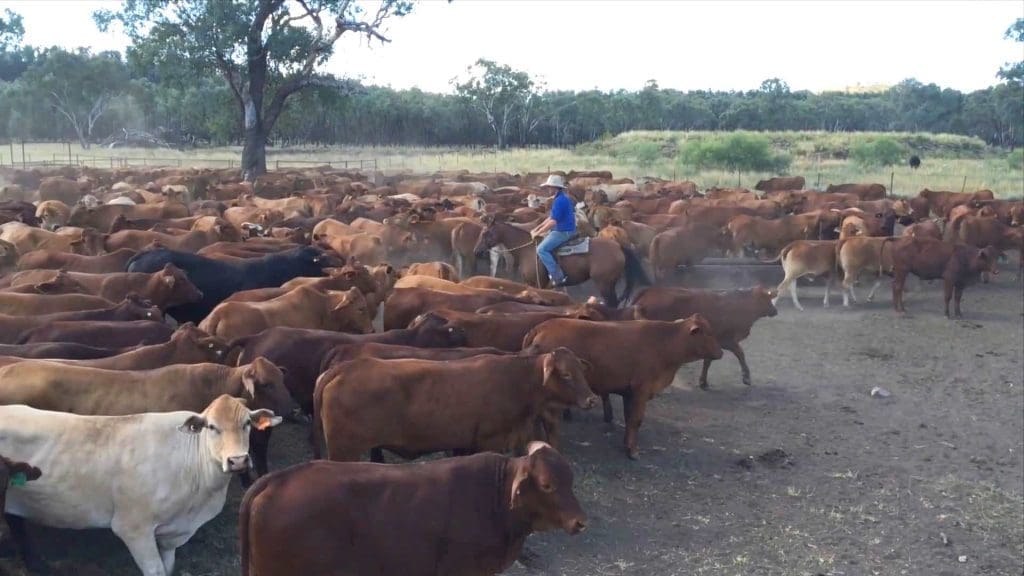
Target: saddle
[575,245]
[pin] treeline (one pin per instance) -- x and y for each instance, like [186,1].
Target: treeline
[57,95]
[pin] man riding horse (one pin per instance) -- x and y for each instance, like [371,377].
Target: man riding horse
[563,220]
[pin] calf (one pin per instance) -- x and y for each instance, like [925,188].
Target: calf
[404,406]
[154,479]
[634,359]
[467,515]
[956,264]
[750,231]
[731,313]
[806,258]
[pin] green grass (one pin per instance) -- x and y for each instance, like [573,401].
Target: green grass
[990,169]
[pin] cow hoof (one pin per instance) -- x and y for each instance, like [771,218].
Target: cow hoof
[746,380]
[633,453]
[800,308]
[704,385]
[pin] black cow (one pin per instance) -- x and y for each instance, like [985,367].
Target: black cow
[218,279]
[300,352]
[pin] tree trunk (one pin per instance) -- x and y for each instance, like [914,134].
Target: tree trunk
[81,137]
[254,153]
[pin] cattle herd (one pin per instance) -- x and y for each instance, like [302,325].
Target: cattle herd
[156,325]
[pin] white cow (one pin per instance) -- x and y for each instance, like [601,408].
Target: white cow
[153,479]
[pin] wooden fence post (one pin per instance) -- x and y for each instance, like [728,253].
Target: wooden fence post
[964,186]
[23,153]
[69,151]
[892,178]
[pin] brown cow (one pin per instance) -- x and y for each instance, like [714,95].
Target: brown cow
[27,239]
[773,235]
[103,216]
[13,328]
[554,297]
[928,259]
[441,270]
[466,515]
[188,345]
[941,202]
[303,307]
[924,229]
[59,282]
[405,405]
[46,259]
[344,278]
[980,232]
[806,258]
[52,214]
[300,352]
[502,331]
[110,334]
[863,191]
[94,391]
[731,314]
[687,246]
[634,359]
[780,183]
[405,304]
[347,352]
[191,241]
[169,287]
[32,304]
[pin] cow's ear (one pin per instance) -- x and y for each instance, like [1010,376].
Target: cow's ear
[520,482]
[193,425]
[695,329]
[263,419]
[249,380]
[169,280]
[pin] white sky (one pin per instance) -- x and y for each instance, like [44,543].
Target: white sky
[610,44]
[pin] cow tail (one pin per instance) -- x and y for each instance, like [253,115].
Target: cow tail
[781,255]
[244,517]
[635,274]
[836,268]
[530,336]
[881,253]
[317,439]
[953,229]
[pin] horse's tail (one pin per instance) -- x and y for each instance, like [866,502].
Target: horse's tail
[635,274]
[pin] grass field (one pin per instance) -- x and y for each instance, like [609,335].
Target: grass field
[949,162]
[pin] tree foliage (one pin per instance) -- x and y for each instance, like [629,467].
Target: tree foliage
[78,86]
[265,50]
[11,29]
[739,151]
[1013,72]
[502,94]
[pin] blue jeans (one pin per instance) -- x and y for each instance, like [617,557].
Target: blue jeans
[546,252]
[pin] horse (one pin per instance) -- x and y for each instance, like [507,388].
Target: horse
[604,263]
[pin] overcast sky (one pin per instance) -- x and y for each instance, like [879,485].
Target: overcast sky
[688,45]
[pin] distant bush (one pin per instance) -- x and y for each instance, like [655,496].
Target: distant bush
[1016,159]
[644,153]
[741,151]
[878,152]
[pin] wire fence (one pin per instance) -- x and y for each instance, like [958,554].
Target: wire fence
[24,160]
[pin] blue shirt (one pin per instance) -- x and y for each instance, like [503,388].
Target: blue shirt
[563,212]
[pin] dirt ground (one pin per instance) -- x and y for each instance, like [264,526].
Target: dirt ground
[802,473]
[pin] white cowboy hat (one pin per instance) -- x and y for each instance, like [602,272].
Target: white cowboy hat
[553,181]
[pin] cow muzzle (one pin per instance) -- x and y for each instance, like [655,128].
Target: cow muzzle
[575,525]
[588,402]
[237,463]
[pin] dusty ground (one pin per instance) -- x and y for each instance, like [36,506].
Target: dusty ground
[802,473]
